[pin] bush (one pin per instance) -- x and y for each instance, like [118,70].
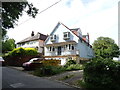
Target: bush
[69,62]
[48,70]
[75,67]
[22,52]
[30,51]
[51,62]
[102,74]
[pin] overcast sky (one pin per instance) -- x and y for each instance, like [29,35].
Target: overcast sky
[96,17]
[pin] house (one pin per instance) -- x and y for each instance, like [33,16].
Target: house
[64,43]
[34,41]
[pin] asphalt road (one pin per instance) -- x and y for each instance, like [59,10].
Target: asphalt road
[12,78]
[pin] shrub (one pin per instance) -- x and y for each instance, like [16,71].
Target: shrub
[22,52]
[48,70]
[102,74]
[75,67]
[30,51]
[69,62]
[51,62]
[17,52]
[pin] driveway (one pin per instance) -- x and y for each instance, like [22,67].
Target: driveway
[12,78]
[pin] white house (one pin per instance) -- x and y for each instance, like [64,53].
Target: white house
[64,43]
[34,41]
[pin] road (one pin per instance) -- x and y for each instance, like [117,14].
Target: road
[12,78]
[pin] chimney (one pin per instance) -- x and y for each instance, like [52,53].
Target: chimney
[32,34]
[88,38]
[79,33]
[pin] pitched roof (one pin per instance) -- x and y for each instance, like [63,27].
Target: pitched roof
[74,32]
[38,36]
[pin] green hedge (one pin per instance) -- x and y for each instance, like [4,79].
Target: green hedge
[48,70]
[102,74]
[74,67]
[69,62]
[22,52]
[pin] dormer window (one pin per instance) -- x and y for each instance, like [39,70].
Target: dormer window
[53,38]
[66,35]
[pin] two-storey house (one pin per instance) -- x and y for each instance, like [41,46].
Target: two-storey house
[34,41]
[64,43]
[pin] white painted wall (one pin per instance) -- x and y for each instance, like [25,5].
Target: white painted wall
[81,47]
[59,38]
[33,44]
[84,50]
[59,34]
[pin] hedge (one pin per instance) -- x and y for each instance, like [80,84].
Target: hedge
[22,52]
[102,74]
[48,70]
[51,62]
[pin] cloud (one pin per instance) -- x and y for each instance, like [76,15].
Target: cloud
[98,17]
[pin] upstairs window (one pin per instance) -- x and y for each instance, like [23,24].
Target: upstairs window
[53,38]
[66,35]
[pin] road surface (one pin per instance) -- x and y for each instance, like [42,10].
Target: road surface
[12,78]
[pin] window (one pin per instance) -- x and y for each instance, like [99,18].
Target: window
[53,38]
[53,49]
[69,46]
[23,44]
[50,48]
[66,35]
[73,47]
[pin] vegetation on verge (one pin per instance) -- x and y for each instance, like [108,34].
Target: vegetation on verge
[72,65]
[47,70]
[102,74]
[53,68]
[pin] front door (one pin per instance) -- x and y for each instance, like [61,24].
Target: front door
[59,50]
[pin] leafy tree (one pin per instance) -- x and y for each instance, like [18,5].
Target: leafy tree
[11,12]
[8,45]
[105,47]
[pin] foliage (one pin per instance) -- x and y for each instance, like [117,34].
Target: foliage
[69,62]
[11,12]
[48,70]
[8,45]
[102,74]
[51,62]
[80,83]
[106,48]
[22,52]
[74,67]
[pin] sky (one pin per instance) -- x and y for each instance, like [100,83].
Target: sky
[96,17]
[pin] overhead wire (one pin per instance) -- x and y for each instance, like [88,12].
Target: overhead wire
[41,11]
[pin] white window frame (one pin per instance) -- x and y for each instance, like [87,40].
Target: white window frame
[53,38]
[66,35]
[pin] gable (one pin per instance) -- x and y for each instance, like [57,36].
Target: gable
[38,36]
[58,31]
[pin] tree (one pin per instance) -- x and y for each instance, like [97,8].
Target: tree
[11,12]
[105,47]
[8,45]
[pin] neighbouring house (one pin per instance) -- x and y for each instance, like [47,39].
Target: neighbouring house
[34,41]
[64,43]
